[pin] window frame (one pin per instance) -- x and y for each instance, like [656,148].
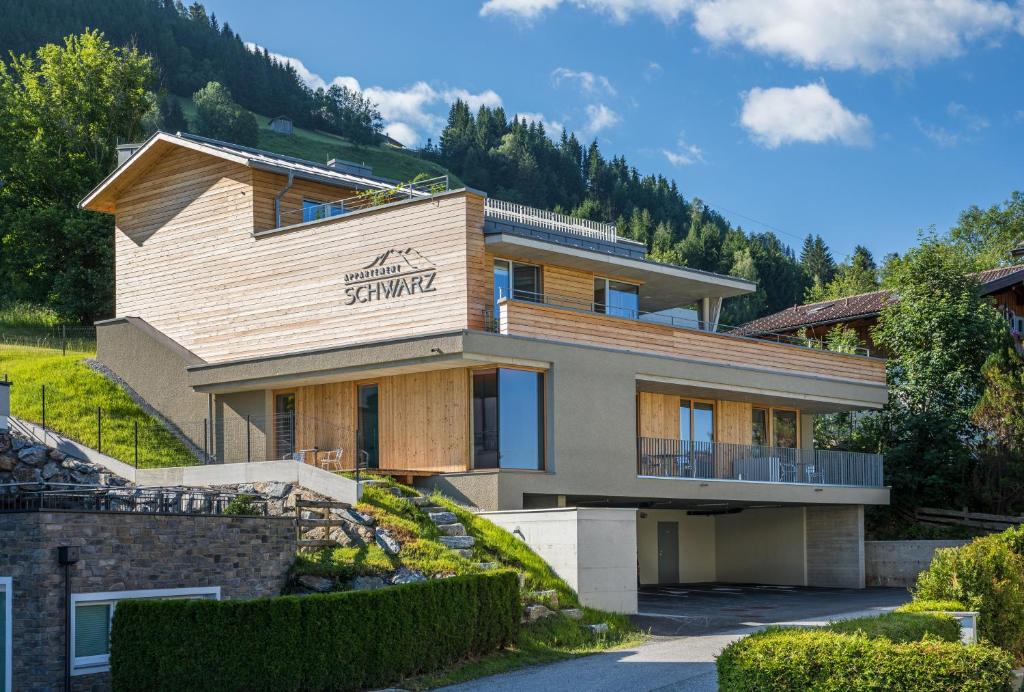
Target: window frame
[714,418]
[87,665]
[544,402]
[607,289]
[539,293]
[770,427]
[7,593]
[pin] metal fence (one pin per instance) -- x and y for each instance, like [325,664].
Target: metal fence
[672,458]
[64,338]
[139,500]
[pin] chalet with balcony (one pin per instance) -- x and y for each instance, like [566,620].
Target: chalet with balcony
[513,358]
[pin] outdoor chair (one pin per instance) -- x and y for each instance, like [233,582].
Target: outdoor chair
[331,460]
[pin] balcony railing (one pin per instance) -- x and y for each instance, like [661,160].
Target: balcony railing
[520,213]
[671,458]
[364,200]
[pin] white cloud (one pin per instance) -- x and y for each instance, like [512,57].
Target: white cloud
[552,127]
[487,98]
[837,34]
[599,117]
[403,133]
[588,82]
[685,154]
[809,113]
[350,83]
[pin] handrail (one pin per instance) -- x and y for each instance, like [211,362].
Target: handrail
[420,189]
[511,211]
[678,458]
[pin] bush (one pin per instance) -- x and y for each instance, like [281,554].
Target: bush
[902,627]
[987,576]
[242,505]
[794,659]
[341,641]
[932,607]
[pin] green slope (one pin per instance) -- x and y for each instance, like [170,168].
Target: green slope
[386,160]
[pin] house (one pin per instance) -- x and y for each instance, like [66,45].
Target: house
[282,124]
[1004,285]
[513,358]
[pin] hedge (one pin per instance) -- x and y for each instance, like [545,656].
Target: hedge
[340,641]
[987,575]
[794,659]
[902,627]
[926,606]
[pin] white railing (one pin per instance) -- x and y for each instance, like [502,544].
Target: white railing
[510,211]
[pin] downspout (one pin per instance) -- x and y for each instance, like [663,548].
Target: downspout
[280,196]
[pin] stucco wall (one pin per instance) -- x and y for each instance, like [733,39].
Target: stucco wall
[247,557]
[592,549]
[764,546]
[696,545]
[897,563]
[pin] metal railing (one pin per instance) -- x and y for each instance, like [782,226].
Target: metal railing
[364,200]
[136,500]
[571,303]
[520,213]
[64,338]
[672,458]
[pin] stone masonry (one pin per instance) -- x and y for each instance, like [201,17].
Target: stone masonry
[248,557]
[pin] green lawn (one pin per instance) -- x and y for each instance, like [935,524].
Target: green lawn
[548,640]
[73,393]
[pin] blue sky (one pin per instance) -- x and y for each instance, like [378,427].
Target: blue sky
[862,121]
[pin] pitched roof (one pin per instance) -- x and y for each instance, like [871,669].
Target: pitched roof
[859,306]
[103,196]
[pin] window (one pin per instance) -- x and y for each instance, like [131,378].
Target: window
[312,210]
[508,419]
[92,613]
[784,428]
[284,425]
[517,281]
[6,632]
[774,428]
[616,298]
[696,421]
[759,426]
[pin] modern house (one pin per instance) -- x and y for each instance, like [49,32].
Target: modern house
[1003,285]
[514,358]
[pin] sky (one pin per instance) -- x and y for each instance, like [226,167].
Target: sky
[862,121]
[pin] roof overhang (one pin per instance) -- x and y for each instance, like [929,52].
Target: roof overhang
[663,286]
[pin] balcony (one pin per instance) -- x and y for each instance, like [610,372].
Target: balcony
[670,458]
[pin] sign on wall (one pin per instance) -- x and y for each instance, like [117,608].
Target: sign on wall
[392,274]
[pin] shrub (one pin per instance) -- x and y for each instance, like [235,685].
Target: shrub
[242,505]
[902,627]
[986,575]
[794,659]
[932,607]
[341,641]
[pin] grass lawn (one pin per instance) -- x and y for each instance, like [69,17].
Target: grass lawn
[548,640]
[73,393]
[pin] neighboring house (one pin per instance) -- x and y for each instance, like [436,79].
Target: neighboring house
[511,357]
[282,124]
[1004,285]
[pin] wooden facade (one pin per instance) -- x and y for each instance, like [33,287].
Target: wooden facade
[658,416]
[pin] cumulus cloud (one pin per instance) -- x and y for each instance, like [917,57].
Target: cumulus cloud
[588,82]
[809,113]
[599,117]
[837,34]
[684,154]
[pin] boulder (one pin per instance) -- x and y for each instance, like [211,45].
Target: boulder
[463,552]
[33,455]
[79,467]
[354,517]
[388,544]
[7,463]
[19,443]
[57,455]
[532,613]
[549,598]
[599,628]
[278,490]
[364,533]
[406,576]
[452,529]
[572,613]
[487,565]
[443,517]
[317,584]
[421,501]
[26,474]
[345,538]
[458,541]
[367,583]
[51,469]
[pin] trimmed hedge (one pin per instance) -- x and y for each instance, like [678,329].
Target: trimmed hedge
[794,659]
[932,607]
[340,641]
[987,575]
[902,627]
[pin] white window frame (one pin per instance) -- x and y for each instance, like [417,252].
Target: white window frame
[86,665]
[7,591]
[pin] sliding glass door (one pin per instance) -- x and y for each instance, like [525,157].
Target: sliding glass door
[508,419]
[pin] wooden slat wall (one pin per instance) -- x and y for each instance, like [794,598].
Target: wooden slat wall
[326,417]
[267,185]
[732,422]
[548,322]
[659,415]
[187,264]
[479,266]
[573,286]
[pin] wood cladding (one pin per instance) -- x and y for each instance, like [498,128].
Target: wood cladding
[658,416]
[572,286]
[266,187]
[547,322]
[423,420]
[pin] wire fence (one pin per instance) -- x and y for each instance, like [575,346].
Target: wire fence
[63,338]
[141,500]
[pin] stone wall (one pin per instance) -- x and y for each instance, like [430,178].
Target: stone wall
[897,563]
[247,557]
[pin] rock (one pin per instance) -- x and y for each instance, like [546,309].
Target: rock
[458,541]
[487,565]
[350,515]
[443,517]
[388,544]
[572,613]
[463,552]
[26,474]
[532,613]
[50,470]
[363,533]
[7,463]
[421,501]
[346,539]
[599,628]
[277,490]
[406,576]
[367,583]
[57,455]
[320,533]
[397,492]
[79,467]
[317,584]
[110,480]
[246,489]
[33,455]
[19,443]
[549,597]
[452,529]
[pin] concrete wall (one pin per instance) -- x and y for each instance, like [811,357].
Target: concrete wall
[897,563]
[5,406]
[247,557]
[835,546]
[696,545]
[592,549]
[763,546]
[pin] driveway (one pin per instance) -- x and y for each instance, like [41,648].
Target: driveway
[691,624]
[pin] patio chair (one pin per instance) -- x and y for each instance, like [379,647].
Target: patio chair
[331,460]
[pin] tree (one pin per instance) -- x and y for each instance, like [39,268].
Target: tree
[859,274]
[988,235]
[816,260]
[62,111]
[171,117]
[219,117]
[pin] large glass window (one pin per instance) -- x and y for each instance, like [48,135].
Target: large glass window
[759,426]
[784,428]
[508,419]
[616,298]
[696,421]
[516,280]
[313,210]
